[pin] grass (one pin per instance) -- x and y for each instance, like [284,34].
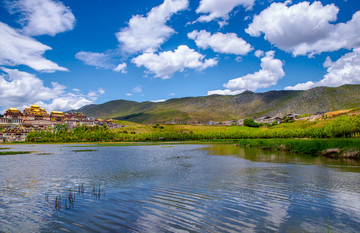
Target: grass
[87,150]
[307,146]
[15,152]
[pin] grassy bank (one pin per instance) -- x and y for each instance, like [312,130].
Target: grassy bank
[340,127]
[307,146]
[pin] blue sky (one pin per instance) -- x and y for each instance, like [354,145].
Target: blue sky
[66,54]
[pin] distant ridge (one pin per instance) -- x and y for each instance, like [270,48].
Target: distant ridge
[219,108]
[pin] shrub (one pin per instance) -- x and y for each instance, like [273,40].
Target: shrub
[250,123]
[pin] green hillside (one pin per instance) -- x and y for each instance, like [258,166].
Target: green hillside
[219,108]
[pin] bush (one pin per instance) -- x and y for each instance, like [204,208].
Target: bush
[250,123]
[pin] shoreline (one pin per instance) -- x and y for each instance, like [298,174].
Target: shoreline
[330,147]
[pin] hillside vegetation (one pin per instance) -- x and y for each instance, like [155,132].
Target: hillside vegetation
[192,110]
[341,126]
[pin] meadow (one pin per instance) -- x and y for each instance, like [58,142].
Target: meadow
[306,136]
[339,127]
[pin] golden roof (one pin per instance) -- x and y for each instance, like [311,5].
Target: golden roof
[57,112]
[13,109]
[35,106]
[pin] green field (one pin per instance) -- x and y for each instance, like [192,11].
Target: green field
[299,136]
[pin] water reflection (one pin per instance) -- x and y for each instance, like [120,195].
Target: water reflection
[178,188]
[259,155]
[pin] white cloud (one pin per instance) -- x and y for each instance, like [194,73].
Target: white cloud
[172,94]
[269,74]
[227,43]
[150,32]
[17,49]
[215,9]
[164,64]
[137,89]
[93,95]
[99,60]
[345,70]
[306,29]
[42,17]
[66,102]
[224,92]
[19,89]
[158,101]
[121,68]
[259,53]
[128,94]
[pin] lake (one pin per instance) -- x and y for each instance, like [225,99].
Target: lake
[175,188]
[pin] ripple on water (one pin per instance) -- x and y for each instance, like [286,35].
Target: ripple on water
[178,188]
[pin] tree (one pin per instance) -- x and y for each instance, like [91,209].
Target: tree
[250,123]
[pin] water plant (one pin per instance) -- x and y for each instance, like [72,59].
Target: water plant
[58,202]
[80,188]
[87,150]
[71,198]
[14,152]
[98,191]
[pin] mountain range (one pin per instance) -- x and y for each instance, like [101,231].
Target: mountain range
[192,110]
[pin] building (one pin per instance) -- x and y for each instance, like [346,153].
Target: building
[57,116]
[13,134]
[36,113]
[12,116]
[37,117]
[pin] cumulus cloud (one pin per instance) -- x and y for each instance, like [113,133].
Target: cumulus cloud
[17,49]
[121,68]
[164,64]
[158,101]
[215,9]
[19,89]
[42,17]
[259,53]
[228,43]
[345,70]
[306,29]
[269,74]
[148,33]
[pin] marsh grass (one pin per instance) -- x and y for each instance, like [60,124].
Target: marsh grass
[87,150]
[15,152]
[307,146]
[68,200]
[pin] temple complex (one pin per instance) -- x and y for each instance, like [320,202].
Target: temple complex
[18,124]
[36,113]
[35,116]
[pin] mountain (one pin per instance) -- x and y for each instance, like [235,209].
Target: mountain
[219,108]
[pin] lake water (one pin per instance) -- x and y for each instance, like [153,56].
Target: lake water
[175,188]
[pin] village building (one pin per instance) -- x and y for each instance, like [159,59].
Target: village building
[13,134]
[12,116]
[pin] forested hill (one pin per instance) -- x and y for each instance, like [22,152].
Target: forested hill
[220,108]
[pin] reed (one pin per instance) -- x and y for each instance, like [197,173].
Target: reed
[58,202]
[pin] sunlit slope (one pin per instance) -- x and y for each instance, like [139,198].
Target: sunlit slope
[220,108]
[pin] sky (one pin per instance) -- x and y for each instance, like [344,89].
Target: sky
[67,54]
